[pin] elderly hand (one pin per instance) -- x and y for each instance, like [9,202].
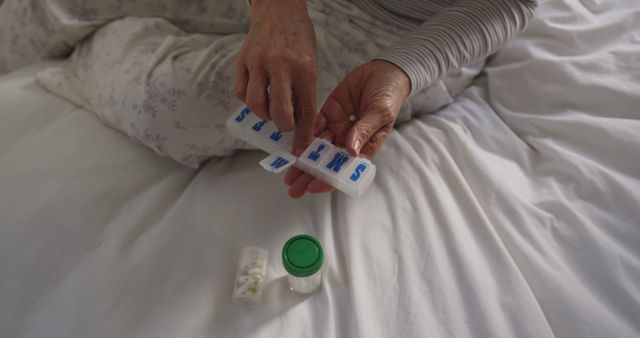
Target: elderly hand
[373,93]
[276,68]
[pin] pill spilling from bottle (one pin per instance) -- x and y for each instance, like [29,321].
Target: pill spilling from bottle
[251,276]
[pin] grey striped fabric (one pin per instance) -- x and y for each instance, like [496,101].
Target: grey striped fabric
[446,34]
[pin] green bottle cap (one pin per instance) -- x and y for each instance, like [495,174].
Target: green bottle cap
[302,256]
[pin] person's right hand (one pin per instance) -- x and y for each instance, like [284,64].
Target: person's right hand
[276,68]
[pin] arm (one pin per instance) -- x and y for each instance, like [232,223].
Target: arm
[459,35]
[376,90]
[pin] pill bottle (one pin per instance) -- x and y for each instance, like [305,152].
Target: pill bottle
[302,257]
[251,276]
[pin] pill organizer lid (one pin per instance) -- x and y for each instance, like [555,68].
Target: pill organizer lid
[302,256]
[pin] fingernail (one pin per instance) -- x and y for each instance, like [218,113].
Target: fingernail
[356,146]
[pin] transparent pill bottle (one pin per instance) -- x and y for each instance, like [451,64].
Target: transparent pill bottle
[251,276]
[302,257]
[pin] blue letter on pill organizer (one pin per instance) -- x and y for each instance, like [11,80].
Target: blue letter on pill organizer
[279,162]
[357,173]
[315,155]
[243,114]
[258,125]
[339,159]
[276,136]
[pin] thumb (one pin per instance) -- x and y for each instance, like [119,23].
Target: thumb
[367,126]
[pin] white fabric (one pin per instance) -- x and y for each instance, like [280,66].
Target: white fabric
[512,213]
[173,91]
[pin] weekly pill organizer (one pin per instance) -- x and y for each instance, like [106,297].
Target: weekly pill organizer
[323,160]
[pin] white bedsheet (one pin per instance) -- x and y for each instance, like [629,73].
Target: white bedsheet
[514,212]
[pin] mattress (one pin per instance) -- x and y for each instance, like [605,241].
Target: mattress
[513,212]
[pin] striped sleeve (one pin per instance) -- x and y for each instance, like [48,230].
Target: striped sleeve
[459,35]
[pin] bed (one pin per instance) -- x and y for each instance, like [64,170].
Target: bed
[513,212]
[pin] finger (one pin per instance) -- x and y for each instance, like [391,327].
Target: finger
[335,115]
[281,102]
[319,186]
[375,142]
[327,135]
[292,175]
[298,188]
[370,123]
[242,78]
[257,96]
[305,113]
[321,124]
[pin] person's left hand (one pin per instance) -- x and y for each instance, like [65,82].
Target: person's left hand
[373,93]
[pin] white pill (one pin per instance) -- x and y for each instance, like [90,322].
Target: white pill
[241,290]
[250,276]
[352,118]
[252,288]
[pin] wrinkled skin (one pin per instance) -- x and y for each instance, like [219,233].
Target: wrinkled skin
[276,76]
[373,93]
[276,73]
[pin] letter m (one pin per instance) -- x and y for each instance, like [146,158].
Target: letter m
[339,159]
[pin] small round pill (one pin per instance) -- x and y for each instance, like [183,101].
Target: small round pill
[352,118]
[241,290]
[255,271]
